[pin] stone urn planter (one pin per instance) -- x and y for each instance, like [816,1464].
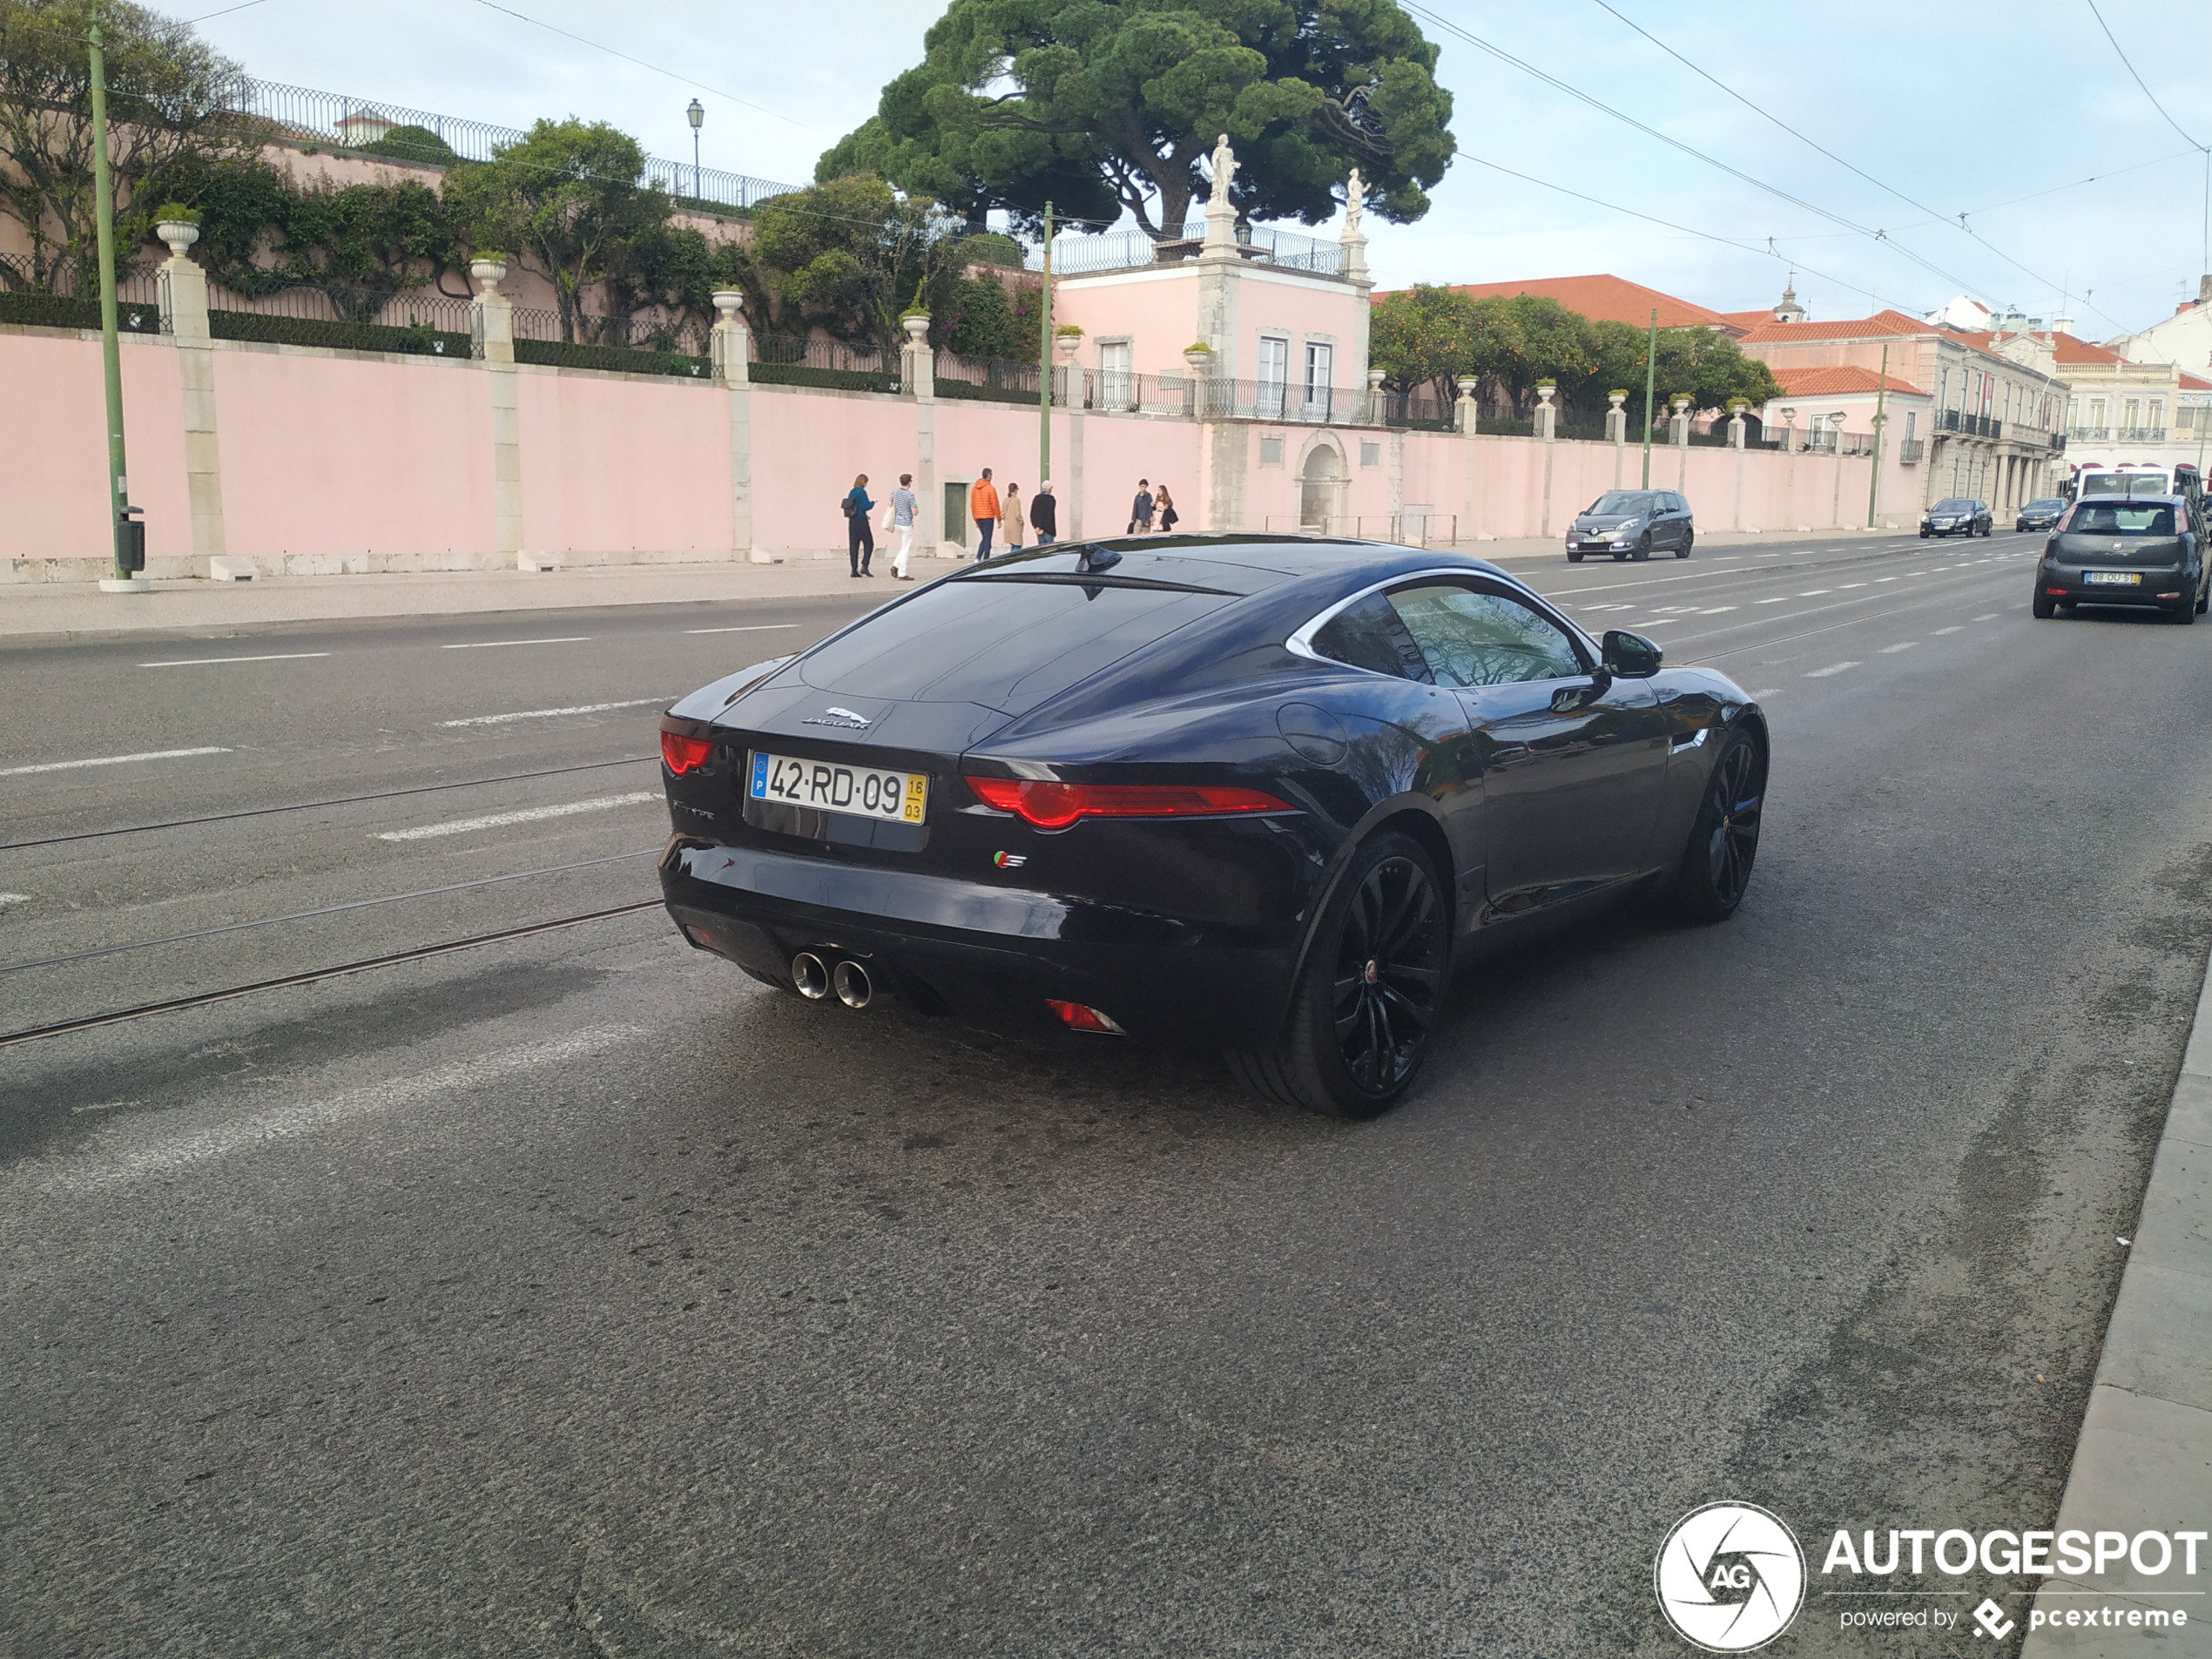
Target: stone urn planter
[488,270]
[916,323]
[178,233]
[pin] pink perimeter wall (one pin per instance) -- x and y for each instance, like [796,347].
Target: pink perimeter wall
[53,448]
[612,462]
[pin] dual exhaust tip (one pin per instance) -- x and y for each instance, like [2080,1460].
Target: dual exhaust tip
[816,980]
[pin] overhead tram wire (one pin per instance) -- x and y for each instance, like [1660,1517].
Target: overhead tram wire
[2130,66]
[1576,92]
[1958,222]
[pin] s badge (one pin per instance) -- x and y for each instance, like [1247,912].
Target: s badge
[1010,860]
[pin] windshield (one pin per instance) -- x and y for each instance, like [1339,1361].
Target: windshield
[1953,507]
[1618,501]
[2124,483]
[2050,506]
[2113,518]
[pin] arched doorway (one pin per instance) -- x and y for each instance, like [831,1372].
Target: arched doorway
[1320,488]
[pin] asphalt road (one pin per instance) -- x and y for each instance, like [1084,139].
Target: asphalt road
[576,1295]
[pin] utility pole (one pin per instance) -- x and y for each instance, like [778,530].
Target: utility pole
[1881,397]
[1044,365]
[111,352]
[1651,384]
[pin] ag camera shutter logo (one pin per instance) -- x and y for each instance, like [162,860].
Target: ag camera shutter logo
[1730,1577]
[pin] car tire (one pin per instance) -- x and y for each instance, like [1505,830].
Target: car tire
[1369,996]
[1924,535]
[2203,598]
[1643,547]
[1689,540]
[1574,556]
[2042,609]
[2187,613]
[1716,868]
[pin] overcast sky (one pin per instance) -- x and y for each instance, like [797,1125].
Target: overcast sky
[1960,105]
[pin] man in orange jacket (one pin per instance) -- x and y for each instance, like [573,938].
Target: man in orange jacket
[983,507]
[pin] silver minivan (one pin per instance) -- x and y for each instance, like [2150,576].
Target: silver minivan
[1632,524]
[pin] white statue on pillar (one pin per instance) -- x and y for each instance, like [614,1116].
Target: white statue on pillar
[1221,217]
[1224,171]
[1355,203]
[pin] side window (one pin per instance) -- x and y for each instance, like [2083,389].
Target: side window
[1370,636]
[1470,638]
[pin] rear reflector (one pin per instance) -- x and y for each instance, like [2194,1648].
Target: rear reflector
[2059,592]
[1076,1017]
[1051,805]
[683,754]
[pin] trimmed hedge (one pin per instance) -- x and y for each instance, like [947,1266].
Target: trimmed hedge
[62,311]
[836,380]
[422,342]
[619,359]
[973,392]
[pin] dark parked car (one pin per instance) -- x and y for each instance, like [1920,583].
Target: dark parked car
[1633,523]
[2039,515]
[2142,551]
[1959,516]
[1261,793]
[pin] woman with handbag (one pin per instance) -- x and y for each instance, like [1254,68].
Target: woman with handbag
[860,539]
[1165,503]
[1015,525]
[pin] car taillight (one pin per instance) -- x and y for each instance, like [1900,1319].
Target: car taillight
[684,754]
[1054,805]
[1076,1017]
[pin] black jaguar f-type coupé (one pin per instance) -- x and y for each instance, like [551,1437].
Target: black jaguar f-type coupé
[1264,793]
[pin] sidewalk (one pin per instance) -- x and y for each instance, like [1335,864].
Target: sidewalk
[71,607]
[2144,1462]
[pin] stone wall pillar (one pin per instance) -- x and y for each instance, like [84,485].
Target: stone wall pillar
[1678,434]
[182,287]
[918,380]
[1736,425]
[1375,399]
[730,347]
[491,340]
[1464,413]
[1548,429]
[1616,432]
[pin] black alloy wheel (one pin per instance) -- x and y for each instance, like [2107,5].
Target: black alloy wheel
[1716,866]
[1689,540]
[1369,995]
[1574,556]
[1643,547]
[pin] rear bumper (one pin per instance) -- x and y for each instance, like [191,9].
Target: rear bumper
[2159,590]
[938,945]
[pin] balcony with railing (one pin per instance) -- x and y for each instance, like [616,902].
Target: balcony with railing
[2140,435]
[1909,450]
[2090,434]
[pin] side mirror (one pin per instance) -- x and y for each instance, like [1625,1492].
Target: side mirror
[1631,657]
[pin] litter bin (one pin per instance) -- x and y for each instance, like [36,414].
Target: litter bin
[131,542]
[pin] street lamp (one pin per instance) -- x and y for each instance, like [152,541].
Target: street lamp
[696,114]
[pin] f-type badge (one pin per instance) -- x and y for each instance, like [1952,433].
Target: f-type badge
[838,716]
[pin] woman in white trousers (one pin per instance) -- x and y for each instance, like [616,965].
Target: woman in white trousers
[902,520]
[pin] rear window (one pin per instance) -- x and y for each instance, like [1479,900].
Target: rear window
[2121,518]
[2124,483]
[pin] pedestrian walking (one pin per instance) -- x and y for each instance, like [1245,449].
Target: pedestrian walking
[983,507]
[1044,515]
[1167,515]
[1015,526]
[1140,512]
[860,539]
[903,508]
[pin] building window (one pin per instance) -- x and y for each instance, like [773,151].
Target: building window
[1270,452]
[2185,417]
[2157,413]
[2130,414]
[1319,367]
[1116,385]
[1274,372]
[2096,413]
[1911,421]
[1370,454]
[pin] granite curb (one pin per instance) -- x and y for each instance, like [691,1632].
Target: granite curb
[2144,1460]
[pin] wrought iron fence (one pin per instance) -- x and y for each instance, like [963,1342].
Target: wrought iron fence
[1081,254]
[420,337]
[1425,410]
[75,278]
[1909,450]
[800,359]
[339,302]
[301,114]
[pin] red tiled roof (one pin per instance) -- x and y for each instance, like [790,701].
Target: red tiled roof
[1882,323]
[1604,298]
[2192,383]
[2070,349]
[1757,317]
[1827,383]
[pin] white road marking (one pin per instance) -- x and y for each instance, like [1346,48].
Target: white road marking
[488,645]
[1847,586]
[748,628]
[1989,616]
[1902,644]
[1814,593]
[547,714]
[252,1130]
[1833,668]
[1782,600]
[1715,611]
[1771,691]
[1940,633]
[1883,578]
[495,821]
[15,898]
[209,662]
[108,760]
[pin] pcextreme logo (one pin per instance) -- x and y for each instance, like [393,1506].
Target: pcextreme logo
[1730,1577]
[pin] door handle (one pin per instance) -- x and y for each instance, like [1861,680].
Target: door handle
[1510,754]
